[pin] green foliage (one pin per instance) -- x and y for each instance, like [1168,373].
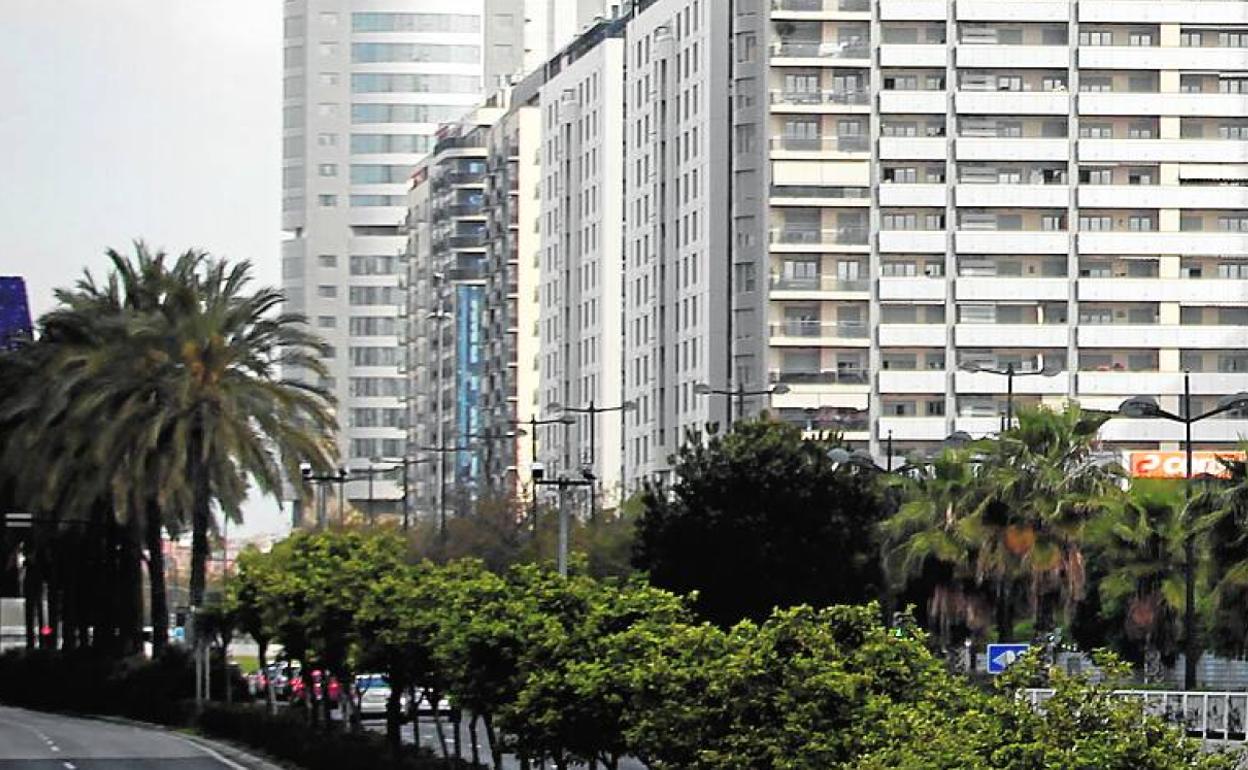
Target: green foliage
[752,521]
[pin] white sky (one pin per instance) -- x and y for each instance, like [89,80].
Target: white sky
[152,119]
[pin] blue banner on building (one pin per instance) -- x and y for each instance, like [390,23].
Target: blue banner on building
[14,311]
[469,356]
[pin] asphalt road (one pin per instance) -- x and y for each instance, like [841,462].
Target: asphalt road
[36,741]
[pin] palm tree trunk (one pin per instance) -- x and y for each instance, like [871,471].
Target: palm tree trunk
[156,582]
[131,620]
[201,516]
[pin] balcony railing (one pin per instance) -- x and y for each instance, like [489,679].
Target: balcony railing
[826,377]
[818,283]
[825,96]
[813,236]
[820,329]
[815,6]
[813,49]
[854,143]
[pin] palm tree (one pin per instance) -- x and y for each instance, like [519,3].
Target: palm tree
[1042,484]
[1224,525]
[1139,543]
[161,389]
[925,542]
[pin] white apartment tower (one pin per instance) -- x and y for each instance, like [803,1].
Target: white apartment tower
[367,83]
[676,244]
[960,185]
[581,103]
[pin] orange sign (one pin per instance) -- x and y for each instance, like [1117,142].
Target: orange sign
[1173,465]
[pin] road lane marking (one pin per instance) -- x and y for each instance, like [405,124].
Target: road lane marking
[69,766]
[215,755]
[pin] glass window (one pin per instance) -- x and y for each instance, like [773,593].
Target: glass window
[431,53]
[327,260]
[415,22]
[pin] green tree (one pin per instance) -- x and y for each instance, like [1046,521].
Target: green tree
[760,518]
[1138,544]
[1042,483]
[927,552]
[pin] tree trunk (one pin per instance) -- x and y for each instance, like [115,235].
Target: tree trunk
[262,658]
[496,751]
[472,739]
[394,721]
[437,727]
[201,516]
[1005,616]
[131,577]
[156,582]
[29,582]
[457,721]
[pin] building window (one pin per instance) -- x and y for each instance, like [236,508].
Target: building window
[327,292]
[327,169]
[327,322]
[327,140]
[327,201]
[327,260]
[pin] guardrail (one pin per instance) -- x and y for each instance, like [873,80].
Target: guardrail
[1214,718]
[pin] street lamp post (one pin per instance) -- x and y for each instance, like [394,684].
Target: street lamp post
[533,424]
[740,393]
[1009,372]
[323,479]
[442,450]
[403,463]
[593,411]
[563,482]
[1147,406]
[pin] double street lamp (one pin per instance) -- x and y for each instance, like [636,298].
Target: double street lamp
[593,410]
[1009,373]
[740,393]
[403,463]
[338,477]
[1147,407]
[533,424]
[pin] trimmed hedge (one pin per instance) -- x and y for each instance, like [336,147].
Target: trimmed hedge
[287,736]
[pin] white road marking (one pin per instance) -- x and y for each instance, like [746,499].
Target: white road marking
[69,766]
[227,762]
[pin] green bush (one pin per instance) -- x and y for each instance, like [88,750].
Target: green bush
[288,737]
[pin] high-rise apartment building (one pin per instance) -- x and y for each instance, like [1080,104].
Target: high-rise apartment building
[367,85]
[953,187]
[581,103]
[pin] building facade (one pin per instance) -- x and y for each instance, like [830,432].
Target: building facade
[958,189]
[367,85]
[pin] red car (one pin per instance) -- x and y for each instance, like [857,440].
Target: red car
[318,687]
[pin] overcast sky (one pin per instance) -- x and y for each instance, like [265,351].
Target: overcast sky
[152,119]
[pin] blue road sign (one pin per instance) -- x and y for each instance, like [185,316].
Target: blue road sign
[1000,656]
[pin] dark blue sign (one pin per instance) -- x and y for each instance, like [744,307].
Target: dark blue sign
[14,311]
[469,366]
[1000,656]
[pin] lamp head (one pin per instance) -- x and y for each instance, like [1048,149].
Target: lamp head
[1139,406]
[1234,401]
[970,366]
[554,406]
[628,406]
[701,388]
[958,438]
[780,390]
[839,455]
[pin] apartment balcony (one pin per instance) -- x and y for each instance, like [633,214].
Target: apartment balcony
[823,287]
[1012,289]
[810,53]
[818,102]
[1011,148]
[916,288]
[851,396]
[1151,103]
[913,241]
[1191,291]
[1011,335]
[913,147]
[914,102]
[1163,196]
[912,194]
[1012,241]
[914,428]
[1145,430]
[1112,57]
[1163,11]
[1164,150]
[820,9]
[800,147]
[1012,102]
[978,425]
[819,333]
[913,335]
[848,377]
[818,195]
[1013,10]
[917,381]
[1033,385]
[904,55]
[1193,337]
[1049,196]
[1182,243]
[912,10]
[1013,56]
[1126,384]
[816,239]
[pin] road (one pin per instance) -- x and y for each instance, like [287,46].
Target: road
[36,741]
